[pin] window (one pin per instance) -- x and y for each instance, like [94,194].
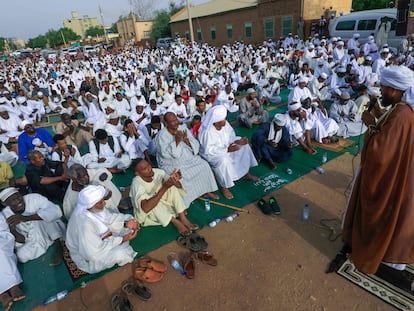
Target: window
[287,23]
[229,29]
[345,25]
[368,24]
[248,30]
[199,35]
[269,28]
[147,34]
[213,33]
[187,35]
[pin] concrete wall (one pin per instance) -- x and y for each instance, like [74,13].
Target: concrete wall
[80,25]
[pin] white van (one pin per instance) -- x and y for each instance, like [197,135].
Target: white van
[365,23]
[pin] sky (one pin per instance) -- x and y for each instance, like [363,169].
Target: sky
[24,19]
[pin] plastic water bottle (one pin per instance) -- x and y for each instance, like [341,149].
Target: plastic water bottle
[58,296]
[214,223]
[320,170]
[325,157]
[232,217]
[289,171]
[306,212]
[207,204]
[175,264]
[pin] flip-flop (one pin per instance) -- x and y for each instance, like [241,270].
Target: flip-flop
[137,288]
[120,303]
[274,206]
[264,207]
[147,275]
[152,264]
[207,258]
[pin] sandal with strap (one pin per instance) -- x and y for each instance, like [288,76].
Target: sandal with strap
[201,241]
[121,303]
[207,258]
[274,206]
[189,242]
[137,288]
[264,207]
[189,268]
[147,275]
[145,262]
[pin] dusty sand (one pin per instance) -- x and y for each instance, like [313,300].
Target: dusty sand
[265,263]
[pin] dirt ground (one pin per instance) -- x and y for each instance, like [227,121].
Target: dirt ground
[265,263]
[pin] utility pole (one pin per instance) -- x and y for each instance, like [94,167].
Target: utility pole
[63,38]
[190,22]
[103,25]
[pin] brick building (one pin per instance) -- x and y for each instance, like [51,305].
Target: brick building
[253,21]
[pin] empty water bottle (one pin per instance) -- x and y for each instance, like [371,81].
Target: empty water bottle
[306,212]
[232,217]
[175,264]
[325,157]
[58,296]
[207,204]
[320,170]
[289,171]
[214,223]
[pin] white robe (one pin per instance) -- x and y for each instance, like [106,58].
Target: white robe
[39,234]
[10,275]
[347,126]
[87,249]
[197,175]
[227,166]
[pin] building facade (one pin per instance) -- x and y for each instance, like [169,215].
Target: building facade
[80,25]
[219,22]
[129,29]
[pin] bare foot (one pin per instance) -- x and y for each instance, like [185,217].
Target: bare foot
[181,228]
[212,195]
[227,194]
[249,176]
[190,226]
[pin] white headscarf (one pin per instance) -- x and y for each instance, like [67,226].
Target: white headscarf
[215,114]
[88,197]
[400,78]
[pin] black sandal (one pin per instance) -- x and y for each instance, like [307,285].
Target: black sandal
[264,207]
[190,242]
[121,303]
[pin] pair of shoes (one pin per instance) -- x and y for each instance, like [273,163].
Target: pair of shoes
[146,262]
[206,257]
[121,303]
[147,275]
[193,242]
[274,206]
[264,207]
[137,288]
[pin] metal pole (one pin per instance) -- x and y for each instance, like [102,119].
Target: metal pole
[103,25]
[190,22]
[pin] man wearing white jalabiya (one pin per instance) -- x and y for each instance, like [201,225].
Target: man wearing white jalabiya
[35,223]
[230,156]
[177,148]
[10,276]
[96,237]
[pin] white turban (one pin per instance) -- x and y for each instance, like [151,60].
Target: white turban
[374,91]
[7,193]
[215,114]
[294,106]
[400,78]
[279,119]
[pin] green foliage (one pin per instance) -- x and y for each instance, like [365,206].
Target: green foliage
[94,31]
[114,28]
[161,27]
[53,38]
[38,42]
[360,5]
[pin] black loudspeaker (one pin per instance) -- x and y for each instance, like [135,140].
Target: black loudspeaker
[402,17]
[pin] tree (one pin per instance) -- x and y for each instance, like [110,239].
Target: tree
[114,28]
[94,31]
[55,37]
[161,26]
[359,5]
[37,42]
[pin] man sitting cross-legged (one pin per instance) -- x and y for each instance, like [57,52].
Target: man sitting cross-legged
[158,198]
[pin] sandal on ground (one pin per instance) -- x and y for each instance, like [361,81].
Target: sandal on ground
[147,275]
[6,301]
[207,258]
[189,268]
[274,206]
[137,288]
[120,303]
[152,264]
[16,293]
[189,242]
[201,241]
[264,207]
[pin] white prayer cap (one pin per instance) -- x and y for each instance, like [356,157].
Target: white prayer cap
[140,103]
[138,93]
[40,94]
[369,58]
[323,76]
[311,46]
[3,108]
[113,115]
[251,90]
[334,39]
[340,43]
[320,61]
[302,80]
[303,98]
[345,95]
[294,106]
[279,119]
[20,99]
[7,193]
[199,93]
[214,114]
[374,91]
[341,69]
[356,35]
[385,50]
[89,196]
[37,142]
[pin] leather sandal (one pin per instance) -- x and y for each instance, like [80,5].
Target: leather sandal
[6,301]
[147,275]
[137,288]
[207,258]
[152,264]
[121,303]
[189,242]
[189,268]
[16,293]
